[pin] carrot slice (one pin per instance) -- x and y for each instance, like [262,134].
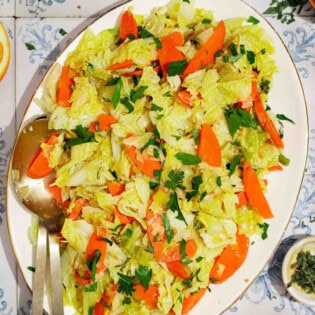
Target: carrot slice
[82,280]
[206,53]
[277,167]
[39,166]
[128,26]
[174,253]
[64,89]
[191,248]
[149,296]
[102,306]
[156,232]
[147,166]
[208,147]
[76,210]
[254,193]
[121,65]
[190,301]
[242,199]
[96,243]
[123,219]
[103,122]
[230,260]
[254,90]
[266,122]
[115,188]
[168,52]
[177,268]
[184,97]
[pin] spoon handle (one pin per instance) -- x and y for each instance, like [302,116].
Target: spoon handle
[40,268]
[55,269]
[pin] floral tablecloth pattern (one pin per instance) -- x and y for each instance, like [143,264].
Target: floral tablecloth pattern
[39,29]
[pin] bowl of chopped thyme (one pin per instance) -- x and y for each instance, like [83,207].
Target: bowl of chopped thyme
[298,270]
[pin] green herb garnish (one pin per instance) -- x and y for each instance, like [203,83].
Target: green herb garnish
[125,284]
[304,272]
[84,136]
[116,94]
[176,67]
[253,20]
[144,274]
[188,159]
[168,230]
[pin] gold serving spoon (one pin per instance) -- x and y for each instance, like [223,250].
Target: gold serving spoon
[35,197]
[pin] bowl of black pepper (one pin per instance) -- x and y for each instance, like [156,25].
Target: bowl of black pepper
[298,270]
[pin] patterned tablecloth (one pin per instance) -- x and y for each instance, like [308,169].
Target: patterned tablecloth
[39,29]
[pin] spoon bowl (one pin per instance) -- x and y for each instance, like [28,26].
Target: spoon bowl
[33,193]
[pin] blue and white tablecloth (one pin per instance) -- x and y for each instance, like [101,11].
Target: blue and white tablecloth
[39,29]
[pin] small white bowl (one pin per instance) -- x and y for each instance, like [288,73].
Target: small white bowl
[307,243]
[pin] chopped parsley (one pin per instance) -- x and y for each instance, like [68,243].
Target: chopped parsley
[176,67]
[235,162]
[144,274]
[304,275]
[238,117]
[264,226]
[187,158]
[284,117]
[167,226]
[252,20]
[173,205]
[125,284]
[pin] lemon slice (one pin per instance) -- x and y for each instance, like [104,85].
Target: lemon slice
[4,51]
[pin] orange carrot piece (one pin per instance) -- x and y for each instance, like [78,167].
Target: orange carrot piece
[64,89]
[266,122]
[230,260]
[115,188]
[55,190]
[177,268]
[254,193]
[149,296]
[254,90]
[76,210]
[208,147]
[121,65]
[82,280]
[123,219]
[101,307]
[96,243]
[242,199]
[103,122]
[174,254]
[191,248]
[206,53]
[190,301]
[156,232]
[39,166]
[128,26]
[169,53]
[184,97]
[277,167]
[147,166]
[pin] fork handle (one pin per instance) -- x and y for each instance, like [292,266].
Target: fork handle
[55,270]
[40,268]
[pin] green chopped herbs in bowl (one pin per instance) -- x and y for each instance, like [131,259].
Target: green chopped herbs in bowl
[304,272]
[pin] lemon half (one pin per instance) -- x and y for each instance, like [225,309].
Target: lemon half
[4,51]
